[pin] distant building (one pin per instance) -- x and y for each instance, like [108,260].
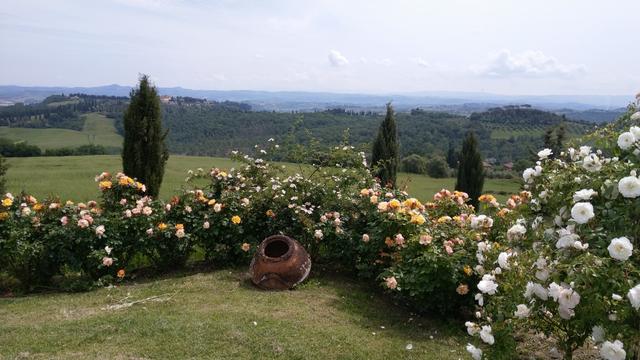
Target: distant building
[508,166]
[165,99]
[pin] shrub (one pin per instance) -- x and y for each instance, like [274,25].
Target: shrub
[437,167]
[568,265]
[414,164]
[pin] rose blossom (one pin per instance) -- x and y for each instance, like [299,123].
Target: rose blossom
[107,261]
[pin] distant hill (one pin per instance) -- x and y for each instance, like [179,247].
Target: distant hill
[204,127]
[592,115]
[309,101]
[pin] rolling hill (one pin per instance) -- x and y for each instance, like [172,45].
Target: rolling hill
[97,130]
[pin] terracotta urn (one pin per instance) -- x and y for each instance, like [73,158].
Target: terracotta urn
[279,264]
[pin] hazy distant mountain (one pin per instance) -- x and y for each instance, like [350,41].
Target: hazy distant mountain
[459,102]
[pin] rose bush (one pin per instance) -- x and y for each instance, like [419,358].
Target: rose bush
[569,267]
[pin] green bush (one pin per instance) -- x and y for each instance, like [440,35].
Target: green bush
[414,164]
[437,167]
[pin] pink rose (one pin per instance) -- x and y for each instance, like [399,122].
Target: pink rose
[391,282]
[64,221]
[107,261]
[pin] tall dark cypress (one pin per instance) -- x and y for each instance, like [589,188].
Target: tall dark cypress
[452,156]
[3,172]
[144,153]
[470,170]
[384,155]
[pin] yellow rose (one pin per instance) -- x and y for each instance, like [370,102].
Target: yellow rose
[236,219]
[7,202]
[394,204]
[467,270]
[162,226]
[105,185]
[4,216]
[417,219]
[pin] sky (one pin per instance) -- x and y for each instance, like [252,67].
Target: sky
[541,47]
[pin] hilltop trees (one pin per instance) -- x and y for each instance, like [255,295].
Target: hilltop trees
[144,152]
[470,170]
[384,157]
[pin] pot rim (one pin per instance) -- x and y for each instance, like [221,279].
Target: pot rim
[273,238]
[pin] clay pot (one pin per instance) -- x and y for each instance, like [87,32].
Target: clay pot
[279,264]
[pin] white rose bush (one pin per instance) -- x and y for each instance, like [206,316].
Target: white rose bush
[568,265]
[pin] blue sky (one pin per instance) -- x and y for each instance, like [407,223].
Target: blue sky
[507,47]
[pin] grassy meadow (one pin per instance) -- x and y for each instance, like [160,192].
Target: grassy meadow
[220,315]
[98,130]
[72,177]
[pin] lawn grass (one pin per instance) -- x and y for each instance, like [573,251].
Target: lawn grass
[212,315]
[98,130]
[72,177]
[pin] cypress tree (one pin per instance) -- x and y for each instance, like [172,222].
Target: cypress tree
[384,155]
[470,170]
[3,172]
[452,156]
[144,152]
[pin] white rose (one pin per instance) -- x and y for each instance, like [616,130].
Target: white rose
[635,115]
[634,297]
[522,311]
[592,163]
[516,232]
[487,285]
[584,195]
[476,354]
[472,328]
[486,335]
[528,175]
[613,350]
[626,140]
[582,212]
[620,248]
[629,187]
[537,290]
[503,260]
[635,131]
[544,154]
[569,298]
[567,240]
[318,234]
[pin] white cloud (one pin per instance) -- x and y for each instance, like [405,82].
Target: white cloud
[420,62]
[337,59]
[529,63]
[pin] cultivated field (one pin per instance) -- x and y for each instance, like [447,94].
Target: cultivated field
[98,130]
[72,177]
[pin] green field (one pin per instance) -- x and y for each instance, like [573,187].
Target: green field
[98,130]
[72,177]
[220,315]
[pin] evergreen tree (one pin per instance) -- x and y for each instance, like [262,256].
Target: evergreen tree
[560,135]
[384,157]
[3,172]
[452,156]
[144,152]
[470,170]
